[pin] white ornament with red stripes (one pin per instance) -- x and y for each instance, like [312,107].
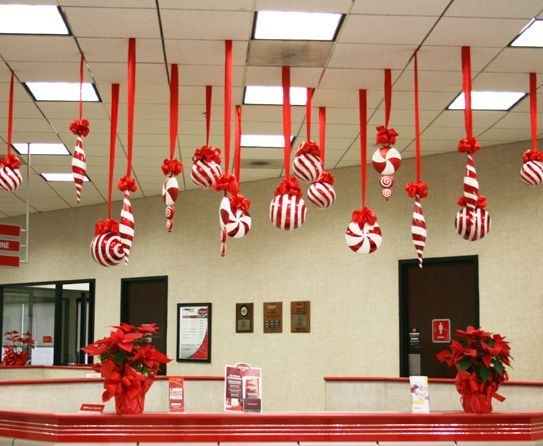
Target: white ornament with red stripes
[307,167]
[386,160]
[471,184]
[10,179]
[170,190]
[472,223]
[107,249]
[531,173]
[205,173]
[126,226]
[236,223]
[418,229]
[363,239]
[79,167]
[287,212]
[321,194]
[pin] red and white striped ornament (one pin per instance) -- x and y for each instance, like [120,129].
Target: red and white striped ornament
[418,229]
[472,224]
[107,249]
[10,179]
[170,192]
[307,165]
[321,194]
[79,166]
[126,225]
[386,160]
[205,173]
[236,222]
[287,212]
[363,238]
[531,173]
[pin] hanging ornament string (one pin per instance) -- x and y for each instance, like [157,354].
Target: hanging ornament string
[174,108]
[285,81]
[468,144]
[10,114]
[209,95]
[322,133]
[386,136]
[308,114]
[362,107]
[533,109]
[237,147]
[112,142]
[388,95]
[81,64]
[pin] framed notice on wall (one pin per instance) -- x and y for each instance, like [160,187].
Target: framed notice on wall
[194,332]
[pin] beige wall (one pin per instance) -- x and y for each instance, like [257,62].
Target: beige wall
[354,298]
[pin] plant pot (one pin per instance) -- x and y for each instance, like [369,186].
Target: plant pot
[128,406]
[477,402]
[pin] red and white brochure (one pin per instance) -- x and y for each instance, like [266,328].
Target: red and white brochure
[242,388]
[177,394]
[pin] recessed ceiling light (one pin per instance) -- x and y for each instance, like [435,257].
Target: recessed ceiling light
[59,177]
[32,19]
[488,100]
[271,95]
[293,25]
[62,91]
[38,148]
[270,141]
[531,35]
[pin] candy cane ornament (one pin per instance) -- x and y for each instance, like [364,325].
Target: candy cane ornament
[126,226]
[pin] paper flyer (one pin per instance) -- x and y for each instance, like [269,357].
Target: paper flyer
[420,396]
[242,388]
[177,393]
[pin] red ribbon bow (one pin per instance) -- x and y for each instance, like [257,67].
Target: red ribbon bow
[11,160]
[363,216]
[289,187]
[468,145]
[481,202]
[326,177]
[419,188]
[127,183]
[238,201]
[208,154]
[532,155]
[309,147]
[105,226]
[172,167]
[80,127]
[228,183]
[386,136]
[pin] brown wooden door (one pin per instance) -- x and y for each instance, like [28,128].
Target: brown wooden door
[446,288]
[145,300]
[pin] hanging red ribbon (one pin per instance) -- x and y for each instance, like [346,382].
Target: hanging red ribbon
[81,65]
[388,95]
[308,114]
[80,127]
[362,109]
[174,108]
[209,94]
[112,141]
[237,147]
[322,133]
[10,113]
[466,87]
[387,136]
[227,102]
[533,109]
[285,77]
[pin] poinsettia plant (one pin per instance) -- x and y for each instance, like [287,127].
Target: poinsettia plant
[128,360]
[17,347]
[480,359]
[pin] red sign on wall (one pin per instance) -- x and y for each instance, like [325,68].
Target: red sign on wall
[9,245]
[441,330]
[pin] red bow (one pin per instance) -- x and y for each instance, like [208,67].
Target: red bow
[481,202]
[468,145]
[80,127]
[326,177]
[127,183]
[238,201]
[363,216]
[172,167]
[476,396]
[208,154]
[419,188]
[386,136]
[532,155]
[289,187]
[309,147]
[228,183]
[105,226]
[11,160]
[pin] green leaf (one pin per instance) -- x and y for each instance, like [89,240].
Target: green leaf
[498,365]
[464,364]
[484,373]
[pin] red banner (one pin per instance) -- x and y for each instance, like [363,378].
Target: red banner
[11,230]
[9,245]
[9,261]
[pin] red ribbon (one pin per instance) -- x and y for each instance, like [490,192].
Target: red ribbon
[309,147]
[419,188]
[363,216]
[417,118]
[363,112]
[533,109]
[237,146]
[227,101]
[127,183]
[11,160]
[105,226]
[112,141]
[308,114]
[289,186]
[172,167]
[385,136]
[174,108]
[481,202]
[238,201]
[388,95]
[207,154]
[476,396]
[468,144]
[80,127]
[326,177]
[466,87]
[532,155]
[131,101]
[227,183]
[285,78]
[81,65]
[10,113]
[322,133]
[209,95]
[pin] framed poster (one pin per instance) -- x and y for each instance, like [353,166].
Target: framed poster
[194,332]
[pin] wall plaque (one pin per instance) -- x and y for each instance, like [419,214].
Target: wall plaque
[300,317]
[273,317]
[244,318]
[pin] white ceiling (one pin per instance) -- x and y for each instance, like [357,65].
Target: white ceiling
[375,34]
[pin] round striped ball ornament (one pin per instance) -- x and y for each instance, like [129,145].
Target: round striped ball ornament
[107,249]
[10,179]
[363,239]
[472,224]
[386,160]
[531,173]
[287,212]
[307,167]
[205,173]
[236,223]
[321,194]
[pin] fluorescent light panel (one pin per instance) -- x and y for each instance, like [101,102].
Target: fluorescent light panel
[531,36]
[38,148]
[488,100]
[62,91]
[60,177]
[272,95]
[32,19]
[294,25]
[269,141]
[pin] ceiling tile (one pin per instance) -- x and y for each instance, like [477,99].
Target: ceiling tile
[353,79]
[449,58]
[348,55]
[110,3]
[214,5]
[203,75]
[50,48]
[455,119]
[203,52]
[58,71]
[405,7]
[511,60]
[495,8]
[341,6]
[430,81]
[147,50]
[299,76]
